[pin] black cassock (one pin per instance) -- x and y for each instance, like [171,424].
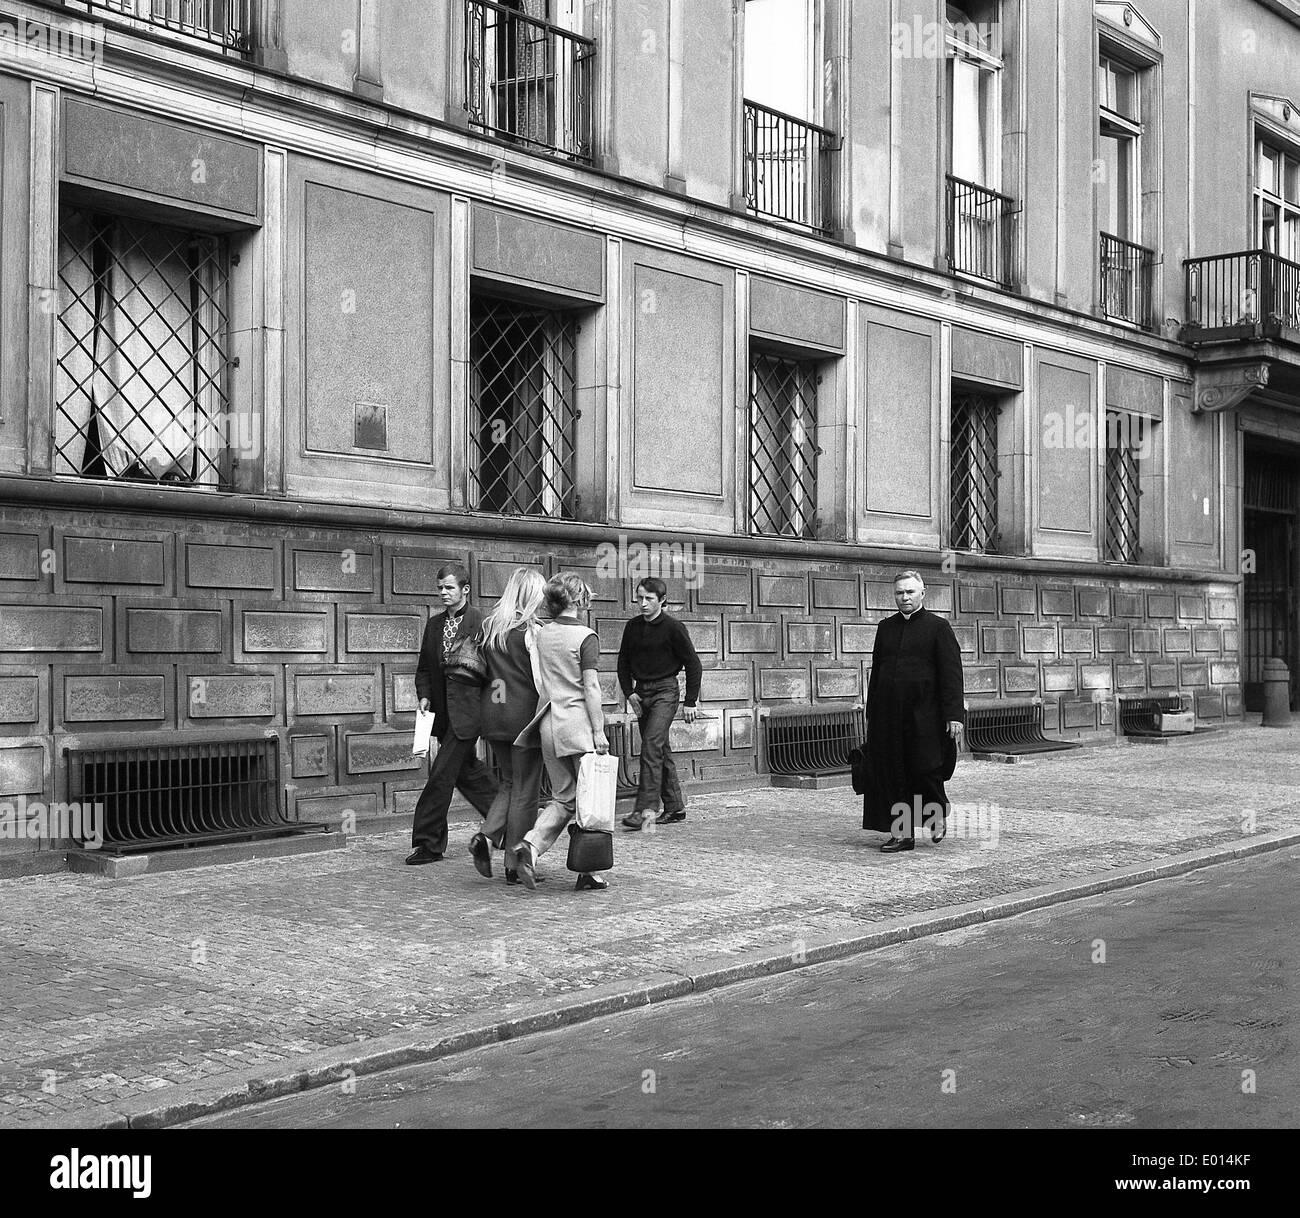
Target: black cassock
[915,691]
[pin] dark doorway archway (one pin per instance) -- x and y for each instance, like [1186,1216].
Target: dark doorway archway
[1271,592]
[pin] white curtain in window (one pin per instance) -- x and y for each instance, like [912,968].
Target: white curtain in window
[74,344]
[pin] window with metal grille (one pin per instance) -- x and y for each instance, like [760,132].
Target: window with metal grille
[523,409]
[973,476]
[1123,491]
[141,388]
[783,448]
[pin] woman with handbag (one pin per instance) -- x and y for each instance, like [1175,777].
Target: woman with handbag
[509,702]
[569,720]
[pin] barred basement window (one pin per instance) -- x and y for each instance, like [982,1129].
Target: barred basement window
[523,409]
[973,482]
[783,448]
[1123,490]
[141,388]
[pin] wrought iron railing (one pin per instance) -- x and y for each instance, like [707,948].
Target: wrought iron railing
[1248,292]
[980,230]
[973,489]
[783,447]
[1123,495]
[528,81]
[789,172]
[1127,274]
[226,24]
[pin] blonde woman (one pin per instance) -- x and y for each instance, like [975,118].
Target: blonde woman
[569,720]
[509,701]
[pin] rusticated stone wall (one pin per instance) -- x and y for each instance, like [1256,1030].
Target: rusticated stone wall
[114,631]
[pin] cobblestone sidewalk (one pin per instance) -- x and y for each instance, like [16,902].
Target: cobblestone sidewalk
[114,989]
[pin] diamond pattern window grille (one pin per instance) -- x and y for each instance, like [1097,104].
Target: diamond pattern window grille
[523,413]
[141,390]
[783,448]
[1123,492]
[973,491]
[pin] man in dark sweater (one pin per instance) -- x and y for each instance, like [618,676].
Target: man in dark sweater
[655,649]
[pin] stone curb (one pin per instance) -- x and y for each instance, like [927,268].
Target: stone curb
[343,1064]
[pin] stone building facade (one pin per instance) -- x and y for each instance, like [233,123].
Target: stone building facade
[299,301]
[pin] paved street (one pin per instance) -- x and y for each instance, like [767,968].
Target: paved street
[119,996]
[1198,984]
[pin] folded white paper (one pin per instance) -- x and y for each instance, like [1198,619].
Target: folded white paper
[423,733]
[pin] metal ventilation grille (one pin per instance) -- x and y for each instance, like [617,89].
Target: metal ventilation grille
[813,740]
[1010,727]
[179,795]
[1138,713]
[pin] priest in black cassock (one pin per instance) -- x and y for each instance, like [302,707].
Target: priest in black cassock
[915,719]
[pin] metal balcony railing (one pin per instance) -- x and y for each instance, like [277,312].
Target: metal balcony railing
[1243,294]
[224,24]
[528,81]
[789,174]
[980,231]
[1127,272]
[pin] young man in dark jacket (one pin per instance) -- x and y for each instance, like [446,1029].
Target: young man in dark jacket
[455,705]
[655,648]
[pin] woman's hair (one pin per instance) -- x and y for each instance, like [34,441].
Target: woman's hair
[520,600]
[564,592]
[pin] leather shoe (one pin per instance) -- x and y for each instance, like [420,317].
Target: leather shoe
[671,818]
[634,821]
[524,861]
[895,844]
[589,883]
[938,831]
[482,852]
[421,855]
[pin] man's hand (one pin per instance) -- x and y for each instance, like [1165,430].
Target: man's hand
[634,704]
[955,729]
[690,713]
[425,704]
[600,742]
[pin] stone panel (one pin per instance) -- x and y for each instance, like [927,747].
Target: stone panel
[114,699]
[1094,602]
[727,685]
[1040,640]
[880,596]
[724,588]
[1193,673]
[20,699]
[333,571]
[979,680]
[1191,609]
[243,567]
[797,316]
[999,640]
[286,632]
[1209,706]
[702,736]
[403,699]
[835,594]
[1231,641]
[1058,678]
[856,639]
[1130,676]
[332,808]
[20,556]
[378,752]
[1232,702]
[311,756]
[838,682]
[1078,716]
[810,638]
[1178,642]
[1146,641]
[740,730]
[967,637]
[174,631]
[747,637]
[1112,640]
[1223,609]
[525,250]
[1164,676]
[245,695]
[1095,676]
[783,591]
[22,770]
[1018,679]
[609,630]
[705,635]
[1159,605]
[1206,641]
[1065,467]
[51,628]
[417,574]
[1128,604]
[1057,602]
[783,684]
[978,599]
[333,694]
[1224,673]
[938,598]
[898,425]
[982,357]
[1077,640]
[491,575]
[382,632]
[113,560]
[1019,600]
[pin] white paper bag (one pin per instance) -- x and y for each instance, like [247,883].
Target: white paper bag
[424,741]
[597,791]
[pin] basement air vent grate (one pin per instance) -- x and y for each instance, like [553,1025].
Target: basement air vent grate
[813,741]
[182,795]
[1010,727]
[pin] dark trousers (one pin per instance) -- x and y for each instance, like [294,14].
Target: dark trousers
[658,771]
[455,768]
[514,811]
[926,806]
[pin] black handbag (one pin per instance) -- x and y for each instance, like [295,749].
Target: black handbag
[858,769]
[590,850]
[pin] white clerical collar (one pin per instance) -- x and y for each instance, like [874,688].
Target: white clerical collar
[907,617]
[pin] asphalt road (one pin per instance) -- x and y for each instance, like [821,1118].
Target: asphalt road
[1171,1005]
